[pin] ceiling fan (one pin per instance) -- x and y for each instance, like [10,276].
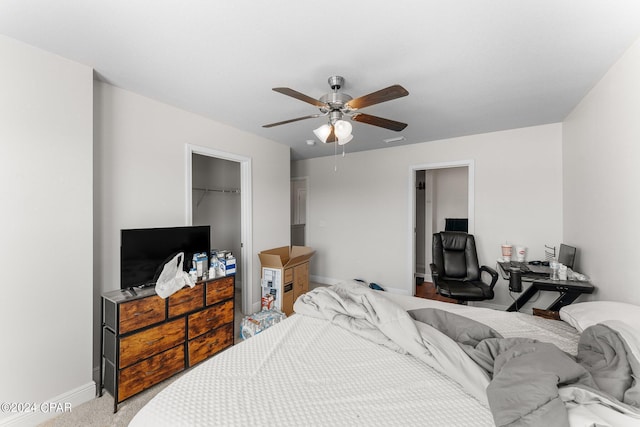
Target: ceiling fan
[337,105]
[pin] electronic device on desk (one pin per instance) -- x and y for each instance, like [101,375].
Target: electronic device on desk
[567,255]
[145,251]
[456,224]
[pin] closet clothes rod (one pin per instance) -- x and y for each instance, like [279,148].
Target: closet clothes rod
[218,190]
[214,190]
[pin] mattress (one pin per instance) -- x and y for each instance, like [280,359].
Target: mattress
[307,371]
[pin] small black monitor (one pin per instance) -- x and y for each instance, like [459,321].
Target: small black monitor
[456,224]
[567,255]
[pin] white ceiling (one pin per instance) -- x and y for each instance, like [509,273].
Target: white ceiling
[470,66]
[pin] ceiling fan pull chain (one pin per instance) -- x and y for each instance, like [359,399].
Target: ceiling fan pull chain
[335,157]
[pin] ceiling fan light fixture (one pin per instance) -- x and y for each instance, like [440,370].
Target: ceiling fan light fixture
[342,141]
[323,132]
[343,129]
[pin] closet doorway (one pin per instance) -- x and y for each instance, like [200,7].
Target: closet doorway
[440,191]
[219,195]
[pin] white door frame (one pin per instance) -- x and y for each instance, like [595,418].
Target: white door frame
[246,235]
[412,207]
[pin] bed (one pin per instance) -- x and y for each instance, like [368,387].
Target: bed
[308,370]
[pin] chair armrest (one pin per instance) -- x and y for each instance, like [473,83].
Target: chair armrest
[434,269]
[434,273]
[492,272]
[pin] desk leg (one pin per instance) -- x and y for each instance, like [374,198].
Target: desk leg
[523,299]
[565,298]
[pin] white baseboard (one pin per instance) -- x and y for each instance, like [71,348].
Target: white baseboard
[53,407]
[257,306]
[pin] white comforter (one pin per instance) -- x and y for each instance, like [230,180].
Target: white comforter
[308,371]
[371,315]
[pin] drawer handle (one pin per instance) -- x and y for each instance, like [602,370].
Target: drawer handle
[154,371]
[154,341]
[140,313]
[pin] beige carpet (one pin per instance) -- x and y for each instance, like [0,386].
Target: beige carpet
[99,411]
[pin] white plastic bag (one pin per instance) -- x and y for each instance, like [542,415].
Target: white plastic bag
[173,277]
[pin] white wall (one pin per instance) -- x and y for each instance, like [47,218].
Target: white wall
[601,153]
[359,217]
[450,195]
[141,177]
[46,221]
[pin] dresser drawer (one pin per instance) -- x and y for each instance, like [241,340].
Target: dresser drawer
[152,341]
[210,318]
[219,290]
[210,343]
[140,313]
[186,300]
[151,371]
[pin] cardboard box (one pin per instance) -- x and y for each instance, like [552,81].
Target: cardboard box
[285,256]
[275,282]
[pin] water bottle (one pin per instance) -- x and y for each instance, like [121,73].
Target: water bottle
[555,269]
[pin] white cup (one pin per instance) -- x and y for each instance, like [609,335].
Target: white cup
[562,274]
[521,253]
[506,252]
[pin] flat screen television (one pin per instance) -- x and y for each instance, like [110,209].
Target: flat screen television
[145,251]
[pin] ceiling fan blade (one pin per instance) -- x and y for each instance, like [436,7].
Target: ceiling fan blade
[312,116]
[301,96]
[379,121]
[383,95]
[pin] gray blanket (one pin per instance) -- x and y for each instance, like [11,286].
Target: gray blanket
[527,374]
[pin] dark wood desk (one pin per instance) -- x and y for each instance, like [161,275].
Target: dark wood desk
[569,290]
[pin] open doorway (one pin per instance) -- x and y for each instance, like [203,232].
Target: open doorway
[219,194]
[441,192]
[298,211]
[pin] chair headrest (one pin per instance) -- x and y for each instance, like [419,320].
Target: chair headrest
[454,241]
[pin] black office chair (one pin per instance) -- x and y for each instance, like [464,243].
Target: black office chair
[455,270]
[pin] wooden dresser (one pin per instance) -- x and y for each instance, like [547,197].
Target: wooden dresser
[147,339]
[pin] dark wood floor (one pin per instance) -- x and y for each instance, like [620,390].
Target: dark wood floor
[428,290]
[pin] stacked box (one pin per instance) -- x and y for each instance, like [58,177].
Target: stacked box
[225,262]
[275,282]
[258,322]
[227,266]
